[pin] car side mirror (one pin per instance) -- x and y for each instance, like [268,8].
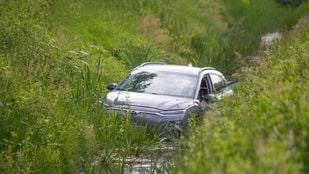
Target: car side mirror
[211,97]
[111,86]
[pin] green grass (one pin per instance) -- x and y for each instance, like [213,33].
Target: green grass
[264,127]
[56,58]
[250,19]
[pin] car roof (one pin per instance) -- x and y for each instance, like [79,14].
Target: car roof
[173,68]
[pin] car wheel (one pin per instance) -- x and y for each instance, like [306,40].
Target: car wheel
[192,117]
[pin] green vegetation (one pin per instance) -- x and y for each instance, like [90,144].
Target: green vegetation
[56,57]
[262,129]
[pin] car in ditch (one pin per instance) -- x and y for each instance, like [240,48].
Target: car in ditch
[163,95]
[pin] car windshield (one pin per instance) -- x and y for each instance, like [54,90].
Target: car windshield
[161,83]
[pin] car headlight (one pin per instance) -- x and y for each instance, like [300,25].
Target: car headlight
[173,112]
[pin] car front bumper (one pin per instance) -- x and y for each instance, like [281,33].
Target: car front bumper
[152,119]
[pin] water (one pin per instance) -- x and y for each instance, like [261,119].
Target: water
[269,38]
[266,42]
[157,162]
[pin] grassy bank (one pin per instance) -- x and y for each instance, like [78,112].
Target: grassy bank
[264,127]
[56,57]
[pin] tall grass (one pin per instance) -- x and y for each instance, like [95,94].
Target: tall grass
[56,58]
[264,127]
[51,117]
[249,20]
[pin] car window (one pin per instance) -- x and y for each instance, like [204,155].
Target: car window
[204,89]
[162,83]
[217,81]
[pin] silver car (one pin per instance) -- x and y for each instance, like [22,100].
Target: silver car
[159,94]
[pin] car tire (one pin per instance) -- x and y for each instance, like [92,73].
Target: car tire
[192,114]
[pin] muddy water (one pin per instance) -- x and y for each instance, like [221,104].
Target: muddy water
[158,160]
[269,38]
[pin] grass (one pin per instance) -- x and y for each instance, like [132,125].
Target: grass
[263,128]
[56,57]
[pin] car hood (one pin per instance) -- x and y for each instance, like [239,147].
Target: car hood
[161,102]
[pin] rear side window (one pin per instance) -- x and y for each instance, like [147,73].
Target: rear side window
[217,81]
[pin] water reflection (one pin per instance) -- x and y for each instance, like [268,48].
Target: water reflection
[138,82]
[165,83]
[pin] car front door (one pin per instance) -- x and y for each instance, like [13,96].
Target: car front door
[220,88]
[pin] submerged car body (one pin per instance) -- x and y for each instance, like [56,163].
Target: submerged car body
[158,94]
